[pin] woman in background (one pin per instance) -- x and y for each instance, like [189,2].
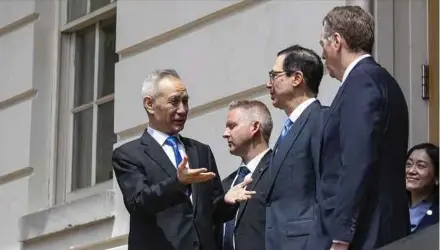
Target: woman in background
[422,185]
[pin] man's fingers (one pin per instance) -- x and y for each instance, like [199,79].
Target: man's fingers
[183,163]
[245,182]
[250,192]
[196,171]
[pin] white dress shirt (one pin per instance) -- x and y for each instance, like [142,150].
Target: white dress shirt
[252,165]
[351,66]
[161,137]
[298,110]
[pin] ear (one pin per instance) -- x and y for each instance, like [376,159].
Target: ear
[148,104]
[255,127]
[338,40]
[297,78]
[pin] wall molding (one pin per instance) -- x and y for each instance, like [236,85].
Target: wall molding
[16,175]
[186,28]
[15,25]
[106,244]
[17,99]
[69,216]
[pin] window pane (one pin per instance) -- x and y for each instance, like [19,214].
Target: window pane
[106,139]
[84,66]
[82,149]
[96,4]
[76,9]
[107,60]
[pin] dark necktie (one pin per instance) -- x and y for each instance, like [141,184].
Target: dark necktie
[287,125]
[228,237]
[172,141]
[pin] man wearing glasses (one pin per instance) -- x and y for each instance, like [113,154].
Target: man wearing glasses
[291,200]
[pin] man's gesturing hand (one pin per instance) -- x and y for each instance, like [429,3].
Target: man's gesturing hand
[239,193]
[189,176]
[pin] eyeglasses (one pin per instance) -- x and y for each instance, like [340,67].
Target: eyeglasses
[274,74]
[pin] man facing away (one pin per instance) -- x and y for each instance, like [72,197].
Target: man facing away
[248,129]
[365,137]
[291,200]
[172,206]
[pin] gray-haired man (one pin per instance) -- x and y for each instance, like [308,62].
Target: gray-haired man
[172,205]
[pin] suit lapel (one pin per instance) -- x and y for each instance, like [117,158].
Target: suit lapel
[193,160]
[256,176]
[156,153]
[286,144]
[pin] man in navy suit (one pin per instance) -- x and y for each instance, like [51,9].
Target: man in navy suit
[291,200]
[363,198]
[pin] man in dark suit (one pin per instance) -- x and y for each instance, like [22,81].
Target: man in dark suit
[172,206]
[365,138]
[291,201]
[248,129]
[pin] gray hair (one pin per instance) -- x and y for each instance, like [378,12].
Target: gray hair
[257,111]
[150,84]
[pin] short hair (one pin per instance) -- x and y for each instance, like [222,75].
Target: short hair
[150,84]
[431,150]
[305,60]
[257,111]
[354,24]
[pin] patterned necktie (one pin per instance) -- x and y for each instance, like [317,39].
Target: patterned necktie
[172,141]
[228,237]
[287,125]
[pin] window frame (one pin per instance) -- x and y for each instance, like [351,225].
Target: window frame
[67,78]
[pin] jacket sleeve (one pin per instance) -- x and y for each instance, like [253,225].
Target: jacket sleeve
[360,124]
[222,211]
[139,196]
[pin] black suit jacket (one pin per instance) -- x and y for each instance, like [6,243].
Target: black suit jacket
[291,200]
[251,215]
[365,138]
[162,216]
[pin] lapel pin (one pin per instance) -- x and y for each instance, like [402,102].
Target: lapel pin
[429,212]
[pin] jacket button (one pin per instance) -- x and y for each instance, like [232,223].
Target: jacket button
[195,243]
[268,204]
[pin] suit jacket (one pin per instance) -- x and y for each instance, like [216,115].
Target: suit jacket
[430,219]
[365,138]
[162,216]
[291,200]
[251,215]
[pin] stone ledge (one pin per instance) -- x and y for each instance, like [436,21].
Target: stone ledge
[114,243]
[67,216]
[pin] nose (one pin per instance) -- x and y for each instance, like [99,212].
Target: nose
[269,84]
[182,109]
[226,134]
[411,169]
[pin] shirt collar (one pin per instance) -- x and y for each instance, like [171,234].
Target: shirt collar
[159,136]
[252,164]
[351,66]
[298,110]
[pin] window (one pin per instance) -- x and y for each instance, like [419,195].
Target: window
[88,61]
[92,111]
[80,8]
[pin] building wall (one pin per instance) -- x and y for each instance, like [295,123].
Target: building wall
[223,51]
